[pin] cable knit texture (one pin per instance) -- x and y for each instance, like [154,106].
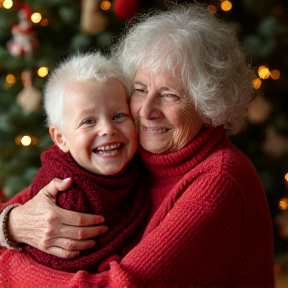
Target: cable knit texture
[123,203]
[210,226]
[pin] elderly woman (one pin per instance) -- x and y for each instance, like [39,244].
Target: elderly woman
[210,225]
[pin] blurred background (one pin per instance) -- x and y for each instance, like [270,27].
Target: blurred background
[36,34]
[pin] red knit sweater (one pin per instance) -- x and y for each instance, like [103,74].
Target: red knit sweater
[122,199]
[210,226]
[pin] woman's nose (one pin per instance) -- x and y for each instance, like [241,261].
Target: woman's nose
[106,128]
[150,108]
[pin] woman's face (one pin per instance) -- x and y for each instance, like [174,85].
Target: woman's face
[164,119]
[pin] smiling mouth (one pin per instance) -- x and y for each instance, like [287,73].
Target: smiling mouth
[155,130]
[108,150]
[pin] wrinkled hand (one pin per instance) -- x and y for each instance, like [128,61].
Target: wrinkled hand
[45,226]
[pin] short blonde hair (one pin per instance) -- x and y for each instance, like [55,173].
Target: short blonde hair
[80,67]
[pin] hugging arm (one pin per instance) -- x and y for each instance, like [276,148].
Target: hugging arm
[39,222]
[192,230]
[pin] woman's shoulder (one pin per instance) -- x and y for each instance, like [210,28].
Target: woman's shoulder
[226,165]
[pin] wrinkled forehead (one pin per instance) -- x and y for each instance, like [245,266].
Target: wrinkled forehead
[161,76]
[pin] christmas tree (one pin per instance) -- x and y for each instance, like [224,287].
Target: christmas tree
[36,34]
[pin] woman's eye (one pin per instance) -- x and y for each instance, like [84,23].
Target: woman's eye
[119,116]
[171,97]
[140,90]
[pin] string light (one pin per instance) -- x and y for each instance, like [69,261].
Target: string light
[26,140]
[283,204]
[105,5]
[7,4]
[36,17]
[263,72]
[10,79]
[44,22]
[257,83]
[42,72]
[212,9]
[275,74]
[226,5]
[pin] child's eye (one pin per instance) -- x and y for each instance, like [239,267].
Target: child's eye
[88,122]
[119,116]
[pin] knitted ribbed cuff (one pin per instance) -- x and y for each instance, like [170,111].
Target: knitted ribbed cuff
[4,240]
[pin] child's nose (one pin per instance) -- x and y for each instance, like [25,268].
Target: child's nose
[106,128]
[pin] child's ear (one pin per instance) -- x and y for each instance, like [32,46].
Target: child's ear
[58,138]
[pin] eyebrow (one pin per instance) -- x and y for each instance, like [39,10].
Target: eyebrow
[138,82]
[178,88]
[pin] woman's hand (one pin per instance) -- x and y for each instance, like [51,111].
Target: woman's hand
[45,226]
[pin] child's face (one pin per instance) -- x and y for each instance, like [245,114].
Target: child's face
[98,129]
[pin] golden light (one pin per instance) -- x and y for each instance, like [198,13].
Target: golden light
[283,204]
[105,5]
[26,140]
[10,79]
[286,177]
[212,9]
[36,17]
[263,72]
[44,22]
[42,72]
[7,4]
[257,83]
[226,5]
[275,74]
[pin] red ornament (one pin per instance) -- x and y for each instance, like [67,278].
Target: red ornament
[23,41]
[126,9]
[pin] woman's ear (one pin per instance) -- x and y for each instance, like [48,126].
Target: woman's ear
[58,138]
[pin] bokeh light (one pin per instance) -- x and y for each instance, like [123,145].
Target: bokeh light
[212,9]
[275,74]
[42,72]
[7,4]
[26,140]
[44,22]
[36,17]
[257,83]
[10,79]
[105,5]
[226,5]
[263,72]
[283,204]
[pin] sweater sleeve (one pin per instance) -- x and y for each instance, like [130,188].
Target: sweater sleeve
[5,209]
[20,198]
[183,247]
[206,218]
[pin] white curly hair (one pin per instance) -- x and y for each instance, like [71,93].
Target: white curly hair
[206,51]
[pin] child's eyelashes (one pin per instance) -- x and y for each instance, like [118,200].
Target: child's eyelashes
[92,121]
[119,116]
[88,122]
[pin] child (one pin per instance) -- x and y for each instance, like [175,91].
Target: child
[95,138]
